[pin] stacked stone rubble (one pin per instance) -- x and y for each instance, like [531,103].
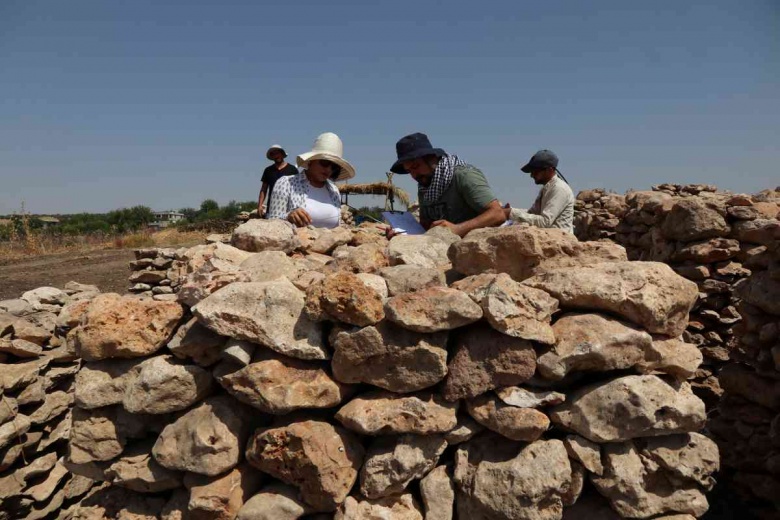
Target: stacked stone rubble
[153,273]
[748,425]
[707,236]
[514,374]
[38,366]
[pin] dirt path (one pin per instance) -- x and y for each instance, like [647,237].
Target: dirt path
[107,268]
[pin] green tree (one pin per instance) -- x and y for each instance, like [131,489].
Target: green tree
[208,205]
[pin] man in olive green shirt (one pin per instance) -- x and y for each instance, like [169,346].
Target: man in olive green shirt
[451,193]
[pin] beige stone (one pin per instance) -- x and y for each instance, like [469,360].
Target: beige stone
[593,342]
[419,250]
[390,357]
[316,457]
[268,266]
[518,310]
[525,398]
[649,294]
[381,413]
[194,341]
[268,313]
[518,424]
[392,462]
[278,384]
[102,383]
[125,327]
[484,359]
[438,494]
[432,310]
[344,297]
[276,501]
[585,452]
[207,440]
[161,385]
[395,507]
[409,278]
[136,469]
[257,235]
[523,251]
[221,497]
[630,407]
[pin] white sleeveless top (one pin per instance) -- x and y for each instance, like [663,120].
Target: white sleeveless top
[320,208]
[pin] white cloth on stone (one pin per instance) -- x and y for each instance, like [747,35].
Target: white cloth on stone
[553,208]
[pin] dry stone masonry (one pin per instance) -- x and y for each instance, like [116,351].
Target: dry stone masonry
[707,236]
[514,374]
[38,367]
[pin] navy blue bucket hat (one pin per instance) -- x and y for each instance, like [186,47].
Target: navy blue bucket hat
[412,147]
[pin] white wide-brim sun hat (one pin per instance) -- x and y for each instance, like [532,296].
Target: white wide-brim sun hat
[328,146]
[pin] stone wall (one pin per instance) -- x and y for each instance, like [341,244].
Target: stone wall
[748,425]
[707,236]
[516,374]
[37,372]
[734,261]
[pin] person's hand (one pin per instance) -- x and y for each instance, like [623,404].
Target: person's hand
[299,217]
[261,211]
[455,228]
[507,210]
[390,232]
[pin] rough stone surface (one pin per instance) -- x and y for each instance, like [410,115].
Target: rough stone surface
[136,469]
[649,294]
[630,407]
[638,488]
[518,310]
[524,398]
[519,424]
[220,497]
[161,385]
[95,436]
[593,342]
[318,458]
[693,219]
[382,413]
[438,494]
[484,359]
[344,297]
[496,480]
[257,235]
[671,356]
[523,251]
[390,357]
[410,278]
[396,507]
[585,452]
[392,462]
[207,439]
[278,384]
[269,313]
[418,250]
[194,341]
[102,383]
[268,266]
[125,327]
[432,309]
[275,502]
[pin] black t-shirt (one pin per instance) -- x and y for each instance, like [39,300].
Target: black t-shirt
[271,175]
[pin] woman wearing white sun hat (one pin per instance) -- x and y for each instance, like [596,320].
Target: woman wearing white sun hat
[311,198]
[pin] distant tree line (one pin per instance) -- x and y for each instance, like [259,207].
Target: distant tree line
[118,221]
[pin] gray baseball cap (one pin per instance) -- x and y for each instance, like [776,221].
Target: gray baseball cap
[541,159]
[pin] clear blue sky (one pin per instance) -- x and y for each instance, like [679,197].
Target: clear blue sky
[107,104]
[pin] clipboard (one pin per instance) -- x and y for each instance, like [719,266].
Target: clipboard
[403,221]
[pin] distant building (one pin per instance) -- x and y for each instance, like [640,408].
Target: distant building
[48,221]
[166,218]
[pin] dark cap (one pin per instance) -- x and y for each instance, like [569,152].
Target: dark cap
[541,160]
[412,147]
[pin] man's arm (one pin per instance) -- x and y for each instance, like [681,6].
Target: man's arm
[552,205]
[261,199]
[493,215]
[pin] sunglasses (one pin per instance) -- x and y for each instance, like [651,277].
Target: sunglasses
[335,168]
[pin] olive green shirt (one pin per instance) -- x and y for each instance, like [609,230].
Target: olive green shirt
[466,197]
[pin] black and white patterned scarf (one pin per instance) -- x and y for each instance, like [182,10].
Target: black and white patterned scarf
[442,177]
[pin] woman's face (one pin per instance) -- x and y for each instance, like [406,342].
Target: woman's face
[319,171]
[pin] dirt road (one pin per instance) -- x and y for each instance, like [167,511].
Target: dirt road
[107,268]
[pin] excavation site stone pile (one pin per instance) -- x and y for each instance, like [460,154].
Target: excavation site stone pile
[514,374]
